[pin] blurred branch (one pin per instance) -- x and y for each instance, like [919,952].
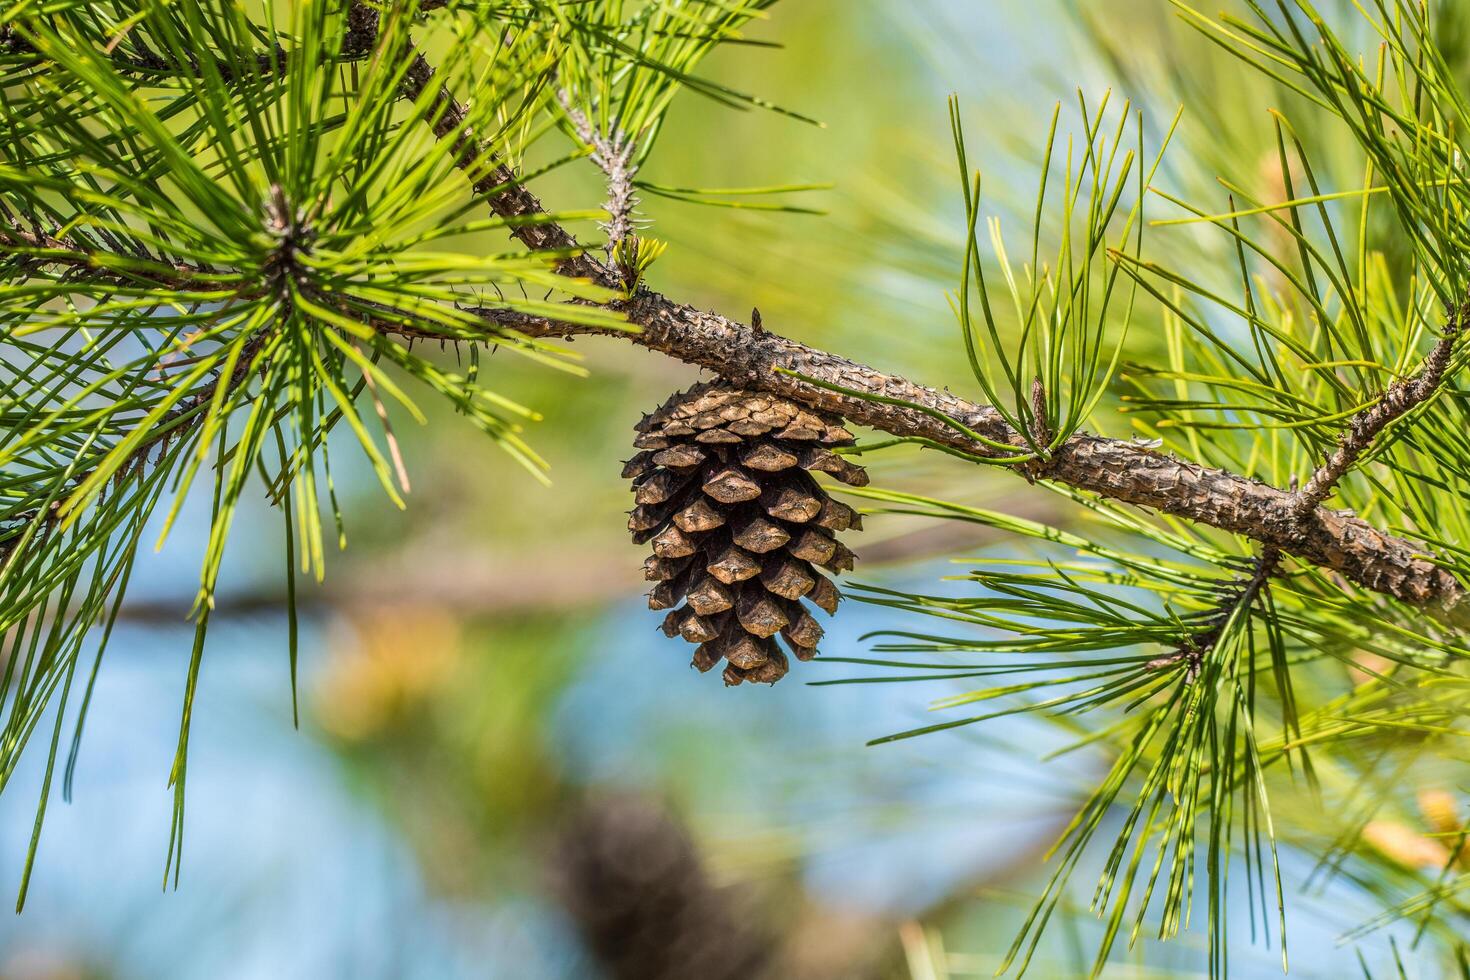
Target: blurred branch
[479,584]
[614,157]
[469,586]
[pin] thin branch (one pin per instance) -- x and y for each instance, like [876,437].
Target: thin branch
[614,157]
[449,119]
[1235,600]
[38,249]
[146,61]
[1397,400]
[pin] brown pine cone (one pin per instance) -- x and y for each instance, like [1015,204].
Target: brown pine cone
[739,526]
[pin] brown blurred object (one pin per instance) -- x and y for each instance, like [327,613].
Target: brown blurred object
[1364,667]
[1404,845]
[1411,848]
[633,882]
[400,653]
[37,963]
[1445,814]
[634,885]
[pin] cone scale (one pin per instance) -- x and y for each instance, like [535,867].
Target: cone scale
[743,536]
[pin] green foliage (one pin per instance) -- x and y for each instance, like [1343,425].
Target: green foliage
[1216,681]
[1060,367]
[217,224]
[1145,638]
[634,256]
[223,227]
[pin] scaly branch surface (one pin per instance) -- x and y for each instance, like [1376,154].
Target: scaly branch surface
[1113,468]
[1398,399]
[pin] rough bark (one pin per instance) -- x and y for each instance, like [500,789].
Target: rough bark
[1120,470]
[1397,400]
[1117,469]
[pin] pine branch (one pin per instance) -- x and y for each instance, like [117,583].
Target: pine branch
[614,157]
[145,61]
[1235,601]
[1292,522]
[1120,470]
[38,249]
[508,197]
[1336,540]
[1112,468]
[149,63]
[1398,399]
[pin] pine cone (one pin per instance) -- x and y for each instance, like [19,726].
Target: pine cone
[724,491]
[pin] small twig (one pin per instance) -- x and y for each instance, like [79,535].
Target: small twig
[144,60]
[266,65]
[1040,426]
[1398,399]
[613,155]
[449,119]
[1236,598]
[66,252]
[1040,433]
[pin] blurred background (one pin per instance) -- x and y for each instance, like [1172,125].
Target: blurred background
[501,768]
